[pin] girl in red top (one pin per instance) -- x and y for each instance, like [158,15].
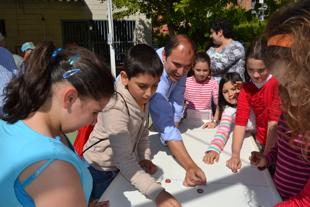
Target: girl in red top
[260,94]
[288,57]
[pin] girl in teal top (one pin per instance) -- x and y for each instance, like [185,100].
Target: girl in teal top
[59,92]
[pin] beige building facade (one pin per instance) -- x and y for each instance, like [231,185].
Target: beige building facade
[37,20]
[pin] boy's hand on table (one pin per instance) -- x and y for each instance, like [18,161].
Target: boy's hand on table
[210,157]
[148,166]
[194,176]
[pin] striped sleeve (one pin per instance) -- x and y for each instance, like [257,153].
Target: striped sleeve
[223,130]
[292,164]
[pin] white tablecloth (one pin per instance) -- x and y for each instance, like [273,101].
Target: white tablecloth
[248,188]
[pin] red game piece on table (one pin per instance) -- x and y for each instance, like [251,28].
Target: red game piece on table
[167,180]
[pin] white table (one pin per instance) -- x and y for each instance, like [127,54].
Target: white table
[248,188]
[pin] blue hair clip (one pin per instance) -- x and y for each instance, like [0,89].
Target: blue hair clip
[70,73]
[73,59]
[55,53]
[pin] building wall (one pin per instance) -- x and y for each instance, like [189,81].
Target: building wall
[143,25]
[36,20]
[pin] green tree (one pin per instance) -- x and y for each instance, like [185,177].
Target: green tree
[193,17]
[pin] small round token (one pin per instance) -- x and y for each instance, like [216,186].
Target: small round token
[167,180]
[199,190]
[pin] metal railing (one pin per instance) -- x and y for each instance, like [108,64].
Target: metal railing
[93,34]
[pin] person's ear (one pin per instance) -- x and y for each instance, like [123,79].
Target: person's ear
[70,96]
[164,57]
[124,78]
[220,33]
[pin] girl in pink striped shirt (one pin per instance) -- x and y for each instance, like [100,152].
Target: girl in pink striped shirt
[200,89]
[288,57]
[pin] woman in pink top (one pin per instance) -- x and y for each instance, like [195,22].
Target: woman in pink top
[200,88]
[288,57]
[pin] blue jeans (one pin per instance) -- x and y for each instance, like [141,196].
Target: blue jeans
[101,181]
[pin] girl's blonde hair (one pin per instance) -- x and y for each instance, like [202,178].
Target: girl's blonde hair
[288,34]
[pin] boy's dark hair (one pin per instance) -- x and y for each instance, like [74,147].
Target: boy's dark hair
[174,41]
[234,78]
[142,59]
[202,57]
[27,92]
[224,25]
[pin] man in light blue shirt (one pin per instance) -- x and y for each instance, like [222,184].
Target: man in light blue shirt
[166,106]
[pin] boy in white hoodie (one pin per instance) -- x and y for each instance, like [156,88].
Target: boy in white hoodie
[119,141]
